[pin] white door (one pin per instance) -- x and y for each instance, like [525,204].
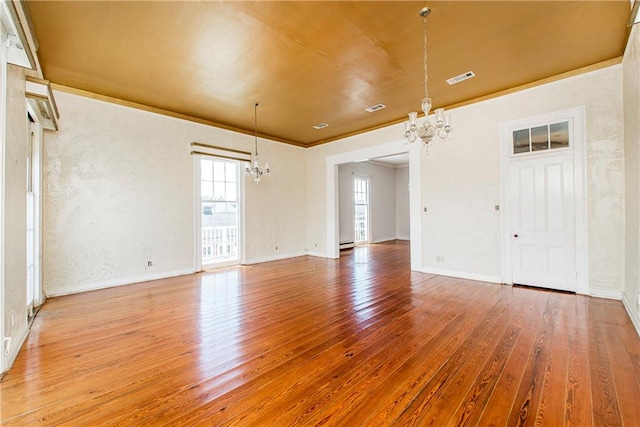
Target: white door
[543,231]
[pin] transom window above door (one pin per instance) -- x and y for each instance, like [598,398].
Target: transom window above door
[541,138]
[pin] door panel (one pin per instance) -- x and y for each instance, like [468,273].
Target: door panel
[543,222]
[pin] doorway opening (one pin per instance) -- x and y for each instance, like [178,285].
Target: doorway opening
[219,212]
[408,190]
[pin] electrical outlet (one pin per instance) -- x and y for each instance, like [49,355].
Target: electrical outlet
[7,345]
[440,258]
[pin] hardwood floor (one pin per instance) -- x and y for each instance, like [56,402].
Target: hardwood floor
[309,341]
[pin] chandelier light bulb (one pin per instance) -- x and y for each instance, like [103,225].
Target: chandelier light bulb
[426,105]
[439,117]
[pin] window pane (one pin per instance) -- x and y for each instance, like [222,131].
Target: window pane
[540,138]
[218,170]
[206,169]
[207,190]
[559,135]
[231,192]
[218,190]
[220,208]
[521,141]
[231,172]
[207,215]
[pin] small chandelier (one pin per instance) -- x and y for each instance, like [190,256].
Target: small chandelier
[426,131]
[253,169]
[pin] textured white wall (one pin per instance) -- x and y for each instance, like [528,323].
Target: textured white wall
[631,104]
[383,195]
[14,214]
[119,192]
[276,214]
[402,203]
[461,179]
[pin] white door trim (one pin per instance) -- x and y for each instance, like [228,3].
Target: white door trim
[576,116]
[3,120]
[415,194]
[197,214]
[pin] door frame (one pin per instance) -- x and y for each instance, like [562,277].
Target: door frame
[577,120]
[415,194]
[35,132]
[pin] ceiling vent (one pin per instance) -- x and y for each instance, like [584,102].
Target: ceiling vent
[375,108]
[461,77]
[321,126]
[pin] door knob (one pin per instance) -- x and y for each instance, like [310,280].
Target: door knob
[515,235]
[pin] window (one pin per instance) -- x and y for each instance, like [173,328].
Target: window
[361,209]
[541,138]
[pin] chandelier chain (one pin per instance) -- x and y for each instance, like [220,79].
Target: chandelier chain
[255,126]
[424,64]
[253,168]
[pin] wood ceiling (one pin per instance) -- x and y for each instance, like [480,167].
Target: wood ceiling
[312,62]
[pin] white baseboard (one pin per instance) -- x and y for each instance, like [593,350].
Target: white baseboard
[634,315]
[16,345]
[275,257]
[462,275]
[317,254]
[115,282]
[385,239]
[403,238]
[605,293]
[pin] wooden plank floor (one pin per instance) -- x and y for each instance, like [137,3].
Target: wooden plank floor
[309,341]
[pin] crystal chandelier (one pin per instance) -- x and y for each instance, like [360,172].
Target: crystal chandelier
[253,169]
[426,130]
